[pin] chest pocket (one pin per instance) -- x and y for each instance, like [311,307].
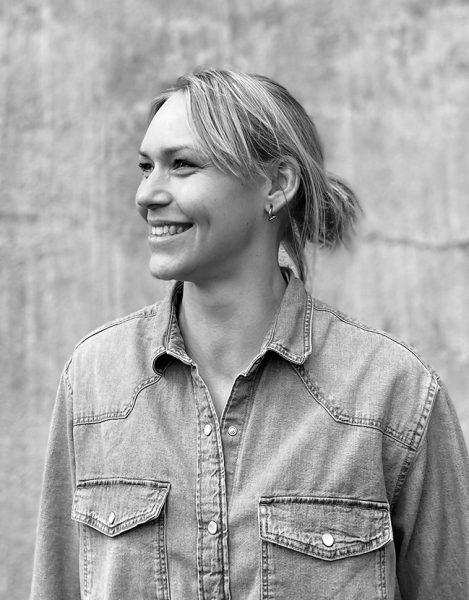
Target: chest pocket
[321,548]
[122,538]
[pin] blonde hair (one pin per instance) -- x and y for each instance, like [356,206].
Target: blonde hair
[249,124]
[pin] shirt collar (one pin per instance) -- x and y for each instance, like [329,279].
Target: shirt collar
[291,331]
[289,336]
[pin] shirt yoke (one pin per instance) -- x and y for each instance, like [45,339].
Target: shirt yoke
[366,377]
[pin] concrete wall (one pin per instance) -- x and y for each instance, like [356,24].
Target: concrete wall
[387,84]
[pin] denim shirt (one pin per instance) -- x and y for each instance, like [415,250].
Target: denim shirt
[338,469]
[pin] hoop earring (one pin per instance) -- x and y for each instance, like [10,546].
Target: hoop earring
[271,215]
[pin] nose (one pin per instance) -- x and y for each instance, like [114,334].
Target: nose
[152,193]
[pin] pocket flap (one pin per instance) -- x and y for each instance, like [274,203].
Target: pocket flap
[327,528]
[113,506]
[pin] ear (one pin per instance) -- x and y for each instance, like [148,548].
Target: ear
[285,181]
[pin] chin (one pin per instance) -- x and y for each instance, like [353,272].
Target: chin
[165,272]
[163,277]
[183,269]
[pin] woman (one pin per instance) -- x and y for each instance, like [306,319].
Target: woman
[238,440]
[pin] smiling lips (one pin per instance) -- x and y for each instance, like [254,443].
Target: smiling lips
[163,230]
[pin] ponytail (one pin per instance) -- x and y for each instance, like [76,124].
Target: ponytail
[324,213]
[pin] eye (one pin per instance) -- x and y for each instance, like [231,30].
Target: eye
[183,164]
[145,167]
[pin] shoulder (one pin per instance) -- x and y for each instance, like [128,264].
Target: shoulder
[367,377]
[338,330]
[119,345]
[111,365]
[122,326]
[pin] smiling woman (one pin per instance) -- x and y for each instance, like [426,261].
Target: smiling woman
[239,439]
[221,216]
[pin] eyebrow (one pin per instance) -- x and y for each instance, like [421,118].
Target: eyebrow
[170,151]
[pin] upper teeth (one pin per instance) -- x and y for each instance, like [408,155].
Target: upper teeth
[168,229]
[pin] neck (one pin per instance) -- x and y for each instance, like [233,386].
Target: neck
[224,322]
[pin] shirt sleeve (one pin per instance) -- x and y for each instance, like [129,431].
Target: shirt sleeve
[56,565]
[431,515]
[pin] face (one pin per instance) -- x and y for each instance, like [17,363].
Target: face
[203,223]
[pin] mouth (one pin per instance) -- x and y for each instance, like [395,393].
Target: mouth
[166,230]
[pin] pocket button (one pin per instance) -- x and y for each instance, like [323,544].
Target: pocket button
[327,539]
[111,518]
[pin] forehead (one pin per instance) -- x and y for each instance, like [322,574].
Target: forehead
[170,125]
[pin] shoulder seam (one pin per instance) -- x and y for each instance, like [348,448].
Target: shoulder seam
[140,314]
[319,306]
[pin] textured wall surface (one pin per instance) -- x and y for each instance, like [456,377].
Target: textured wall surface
[387,83]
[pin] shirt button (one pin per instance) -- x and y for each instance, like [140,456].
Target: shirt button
[208,429]
[111,518]
[212,527]
[232,430]
[327,539]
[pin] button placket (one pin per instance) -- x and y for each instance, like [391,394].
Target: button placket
[211,498]
[236,416]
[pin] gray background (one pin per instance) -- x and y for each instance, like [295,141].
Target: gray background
[388,86]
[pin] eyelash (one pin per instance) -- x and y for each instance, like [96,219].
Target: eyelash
[178,163]
[144,167]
